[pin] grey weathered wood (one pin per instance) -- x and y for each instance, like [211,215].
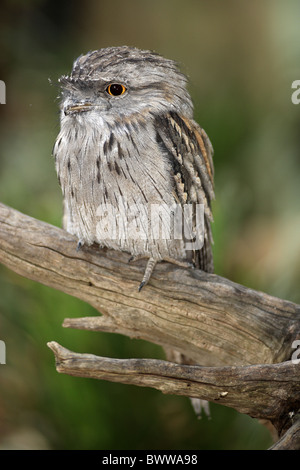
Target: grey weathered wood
[249,389]
[291,439]
[211,320]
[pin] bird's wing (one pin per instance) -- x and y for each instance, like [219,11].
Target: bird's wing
[190,152]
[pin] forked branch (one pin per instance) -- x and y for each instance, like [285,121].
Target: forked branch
[244,338]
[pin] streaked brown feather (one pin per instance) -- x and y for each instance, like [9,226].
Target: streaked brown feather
[190,152]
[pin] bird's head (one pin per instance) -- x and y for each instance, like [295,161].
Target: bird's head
[123,81]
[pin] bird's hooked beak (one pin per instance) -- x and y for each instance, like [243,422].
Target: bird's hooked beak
[77,108]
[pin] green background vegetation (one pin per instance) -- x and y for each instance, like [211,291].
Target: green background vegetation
[241,58]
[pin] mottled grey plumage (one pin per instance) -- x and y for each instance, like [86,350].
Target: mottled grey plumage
[139,147]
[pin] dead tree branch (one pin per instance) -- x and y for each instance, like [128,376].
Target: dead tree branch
[242,338]
[251,390]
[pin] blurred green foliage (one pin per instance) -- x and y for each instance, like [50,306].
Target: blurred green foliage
[241,58]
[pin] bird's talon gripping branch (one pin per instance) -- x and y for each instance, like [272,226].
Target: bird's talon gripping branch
[79,245]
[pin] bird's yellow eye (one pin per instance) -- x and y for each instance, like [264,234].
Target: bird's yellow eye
[115,89]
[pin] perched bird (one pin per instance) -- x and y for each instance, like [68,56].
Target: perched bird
[130,159]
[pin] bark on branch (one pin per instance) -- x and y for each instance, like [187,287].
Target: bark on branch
[249,389]
[244,338]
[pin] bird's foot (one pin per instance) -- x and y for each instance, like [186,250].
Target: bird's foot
[148,271]
[79,245]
